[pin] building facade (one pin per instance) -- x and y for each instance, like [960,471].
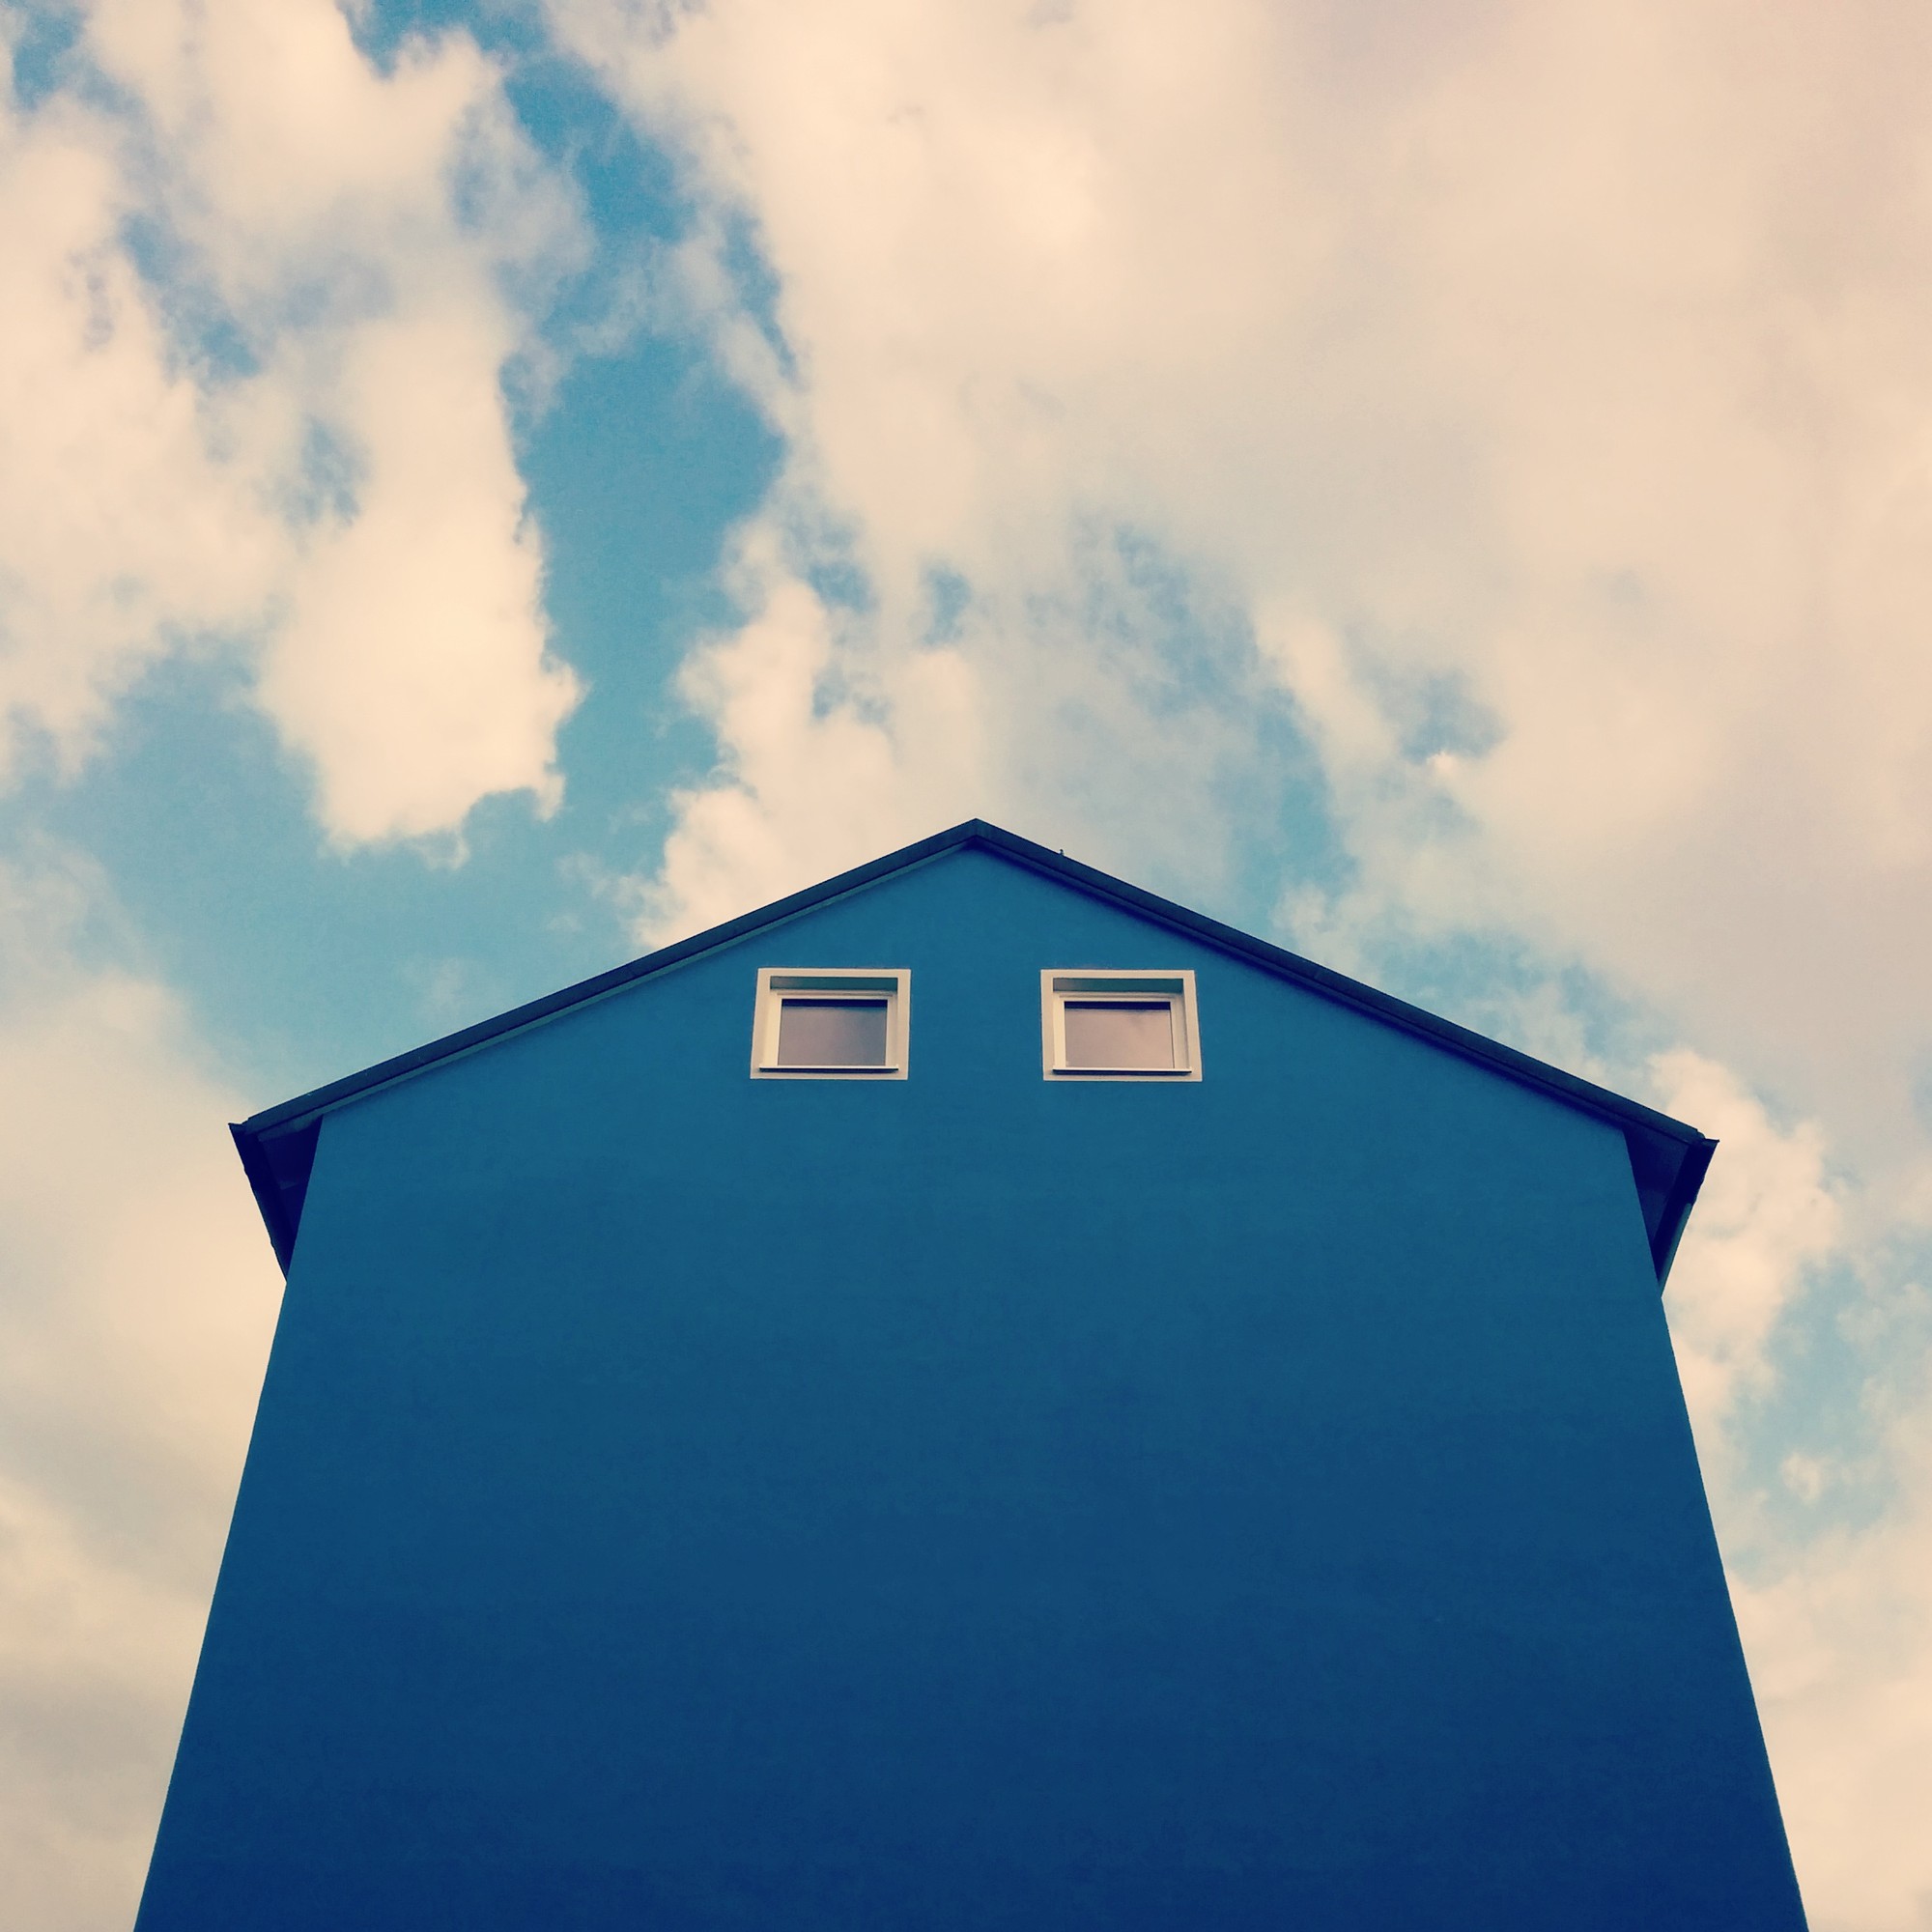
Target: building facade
[972,1398]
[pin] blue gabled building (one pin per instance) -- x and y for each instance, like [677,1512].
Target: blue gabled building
[971,1398]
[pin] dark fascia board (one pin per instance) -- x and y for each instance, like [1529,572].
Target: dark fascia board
[252,1148]
[1666,1143]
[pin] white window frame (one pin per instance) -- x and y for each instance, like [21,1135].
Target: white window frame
[895,982]
[1060,984]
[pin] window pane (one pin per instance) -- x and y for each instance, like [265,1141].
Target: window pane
[832,1032]
[1120,1034]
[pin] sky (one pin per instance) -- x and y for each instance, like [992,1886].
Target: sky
[486,489]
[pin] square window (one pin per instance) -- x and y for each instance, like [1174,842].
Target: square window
[1119,1026]
[815,1023]
[817,1031]
[1117,1033]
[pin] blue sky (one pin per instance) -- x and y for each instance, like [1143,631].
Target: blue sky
[488,488]
[298,959]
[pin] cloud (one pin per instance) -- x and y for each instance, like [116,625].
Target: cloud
[841,741]
[120,523]
[868,770]
[1768,1216]
[137,1299]
[1568,359]
[1836,1610]
[411,664]
[1538,396]
[1840,1642]
[256,316]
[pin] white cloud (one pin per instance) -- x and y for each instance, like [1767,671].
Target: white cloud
[411,664]
[842,739]
[340,497]
[1543,387]
[1840,1642]
[1570,357]
[119,521]
[137,1299]
[1768,1216]
[846,778]
[1837,1622]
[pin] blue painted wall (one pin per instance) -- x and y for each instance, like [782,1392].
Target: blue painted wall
[683,1501]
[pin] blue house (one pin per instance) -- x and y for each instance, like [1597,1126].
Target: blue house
[972,1398]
